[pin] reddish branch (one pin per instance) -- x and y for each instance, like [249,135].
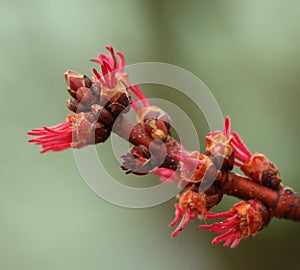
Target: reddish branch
[99,106]
[283,203]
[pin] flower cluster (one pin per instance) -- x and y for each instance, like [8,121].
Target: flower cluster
[99,105]
[96,104]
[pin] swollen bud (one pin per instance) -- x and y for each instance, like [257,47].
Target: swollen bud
[74,80]
[155,121]
[262,170]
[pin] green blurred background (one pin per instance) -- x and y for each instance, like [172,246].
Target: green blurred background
[247,53]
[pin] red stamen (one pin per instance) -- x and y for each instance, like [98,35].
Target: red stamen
[166,175]
[239,154]
[236,163]
[227,125]
[183,223]
[96,60]
[113,79]
[104,70]
[104,58]
[111,50]
[135,106]
[238,143]
[228,237]
[122,61]
[55,138]
[56,148]
[98,76]
[109,66]
[41,131]
[140,95]
[219,215]
[235,242]
[178,215]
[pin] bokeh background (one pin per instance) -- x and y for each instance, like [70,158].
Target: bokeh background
[246,52]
